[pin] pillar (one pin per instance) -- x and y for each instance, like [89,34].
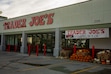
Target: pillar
[3,47]
[24,43]
[57,42]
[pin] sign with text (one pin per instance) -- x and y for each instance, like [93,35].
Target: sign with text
[39,20]
[87,33]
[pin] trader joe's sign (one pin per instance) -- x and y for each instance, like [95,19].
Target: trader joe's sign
[39,20]
[87,33]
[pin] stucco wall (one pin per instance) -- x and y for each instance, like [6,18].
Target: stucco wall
[103,43]
[88,13]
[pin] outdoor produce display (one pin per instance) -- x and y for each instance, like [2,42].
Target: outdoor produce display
[81,55]
[103,57]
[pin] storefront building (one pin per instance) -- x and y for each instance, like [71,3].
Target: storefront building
[60,28]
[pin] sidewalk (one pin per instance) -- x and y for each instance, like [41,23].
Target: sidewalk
[17,63]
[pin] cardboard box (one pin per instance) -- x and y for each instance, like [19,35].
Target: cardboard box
[65,53]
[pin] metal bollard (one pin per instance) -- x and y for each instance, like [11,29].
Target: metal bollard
[44,49]
[37,49]
[93,51]
[15,48]
[29,49]
[74,50]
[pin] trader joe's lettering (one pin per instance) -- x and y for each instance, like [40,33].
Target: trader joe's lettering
[35,20]
[41,20]
[96,31]
[15,24]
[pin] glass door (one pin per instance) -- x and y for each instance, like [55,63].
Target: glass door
[50,42]
[40,39]
[18,42]
[12,41]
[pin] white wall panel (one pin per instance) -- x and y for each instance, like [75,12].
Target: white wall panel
[103,43]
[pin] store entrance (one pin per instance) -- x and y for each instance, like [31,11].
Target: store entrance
[13,42]
[40,39]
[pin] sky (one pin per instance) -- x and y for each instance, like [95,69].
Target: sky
[16,8]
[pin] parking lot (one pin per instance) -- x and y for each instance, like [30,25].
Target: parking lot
[17,63]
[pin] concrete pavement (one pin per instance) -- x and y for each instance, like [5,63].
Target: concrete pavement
[17,63]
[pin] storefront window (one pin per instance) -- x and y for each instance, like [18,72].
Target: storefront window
[38,41]
[69,43]
[41,39]
[13,40]
[7,40]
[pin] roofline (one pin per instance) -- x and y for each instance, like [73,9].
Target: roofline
[50,9]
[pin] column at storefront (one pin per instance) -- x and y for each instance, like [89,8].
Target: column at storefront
[57,42]
[2,42]
[24,43]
